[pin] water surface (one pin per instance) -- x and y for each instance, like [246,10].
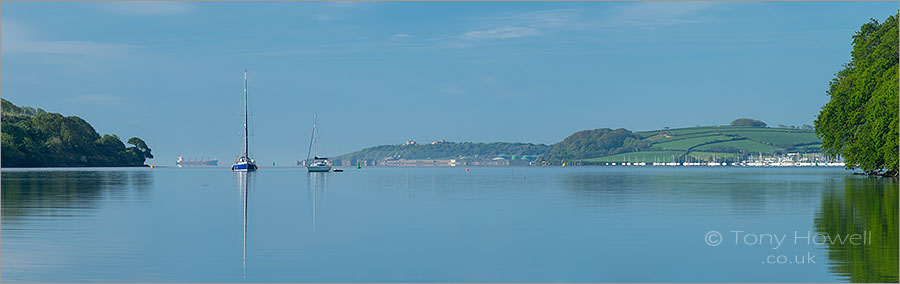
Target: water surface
[604,224]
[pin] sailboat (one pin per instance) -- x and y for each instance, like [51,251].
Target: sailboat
[244,163]
[317,164]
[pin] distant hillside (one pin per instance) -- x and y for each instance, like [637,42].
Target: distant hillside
[597,143]
[446,150]
[723,143]
[706,143]
[35,138]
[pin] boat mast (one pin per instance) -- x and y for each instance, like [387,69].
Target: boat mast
[246,134]
[315,136]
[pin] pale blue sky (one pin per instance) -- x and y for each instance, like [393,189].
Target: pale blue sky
[384,72]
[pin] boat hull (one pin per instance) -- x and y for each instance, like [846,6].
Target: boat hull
[317,169]
[243,167]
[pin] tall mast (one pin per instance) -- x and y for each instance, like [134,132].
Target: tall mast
[246,134]
[315,135]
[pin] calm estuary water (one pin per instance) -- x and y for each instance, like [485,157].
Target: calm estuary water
[606,224]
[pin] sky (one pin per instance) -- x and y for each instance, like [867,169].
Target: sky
[380,73]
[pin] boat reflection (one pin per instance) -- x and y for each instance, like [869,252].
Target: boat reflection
[243,182]
[318,182]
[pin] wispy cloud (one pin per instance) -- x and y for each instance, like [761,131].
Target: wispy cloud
[520,25]
[547,22]
[18,39]
[147,7]
[399,36]
[552,18]
[500,33]
[656,14]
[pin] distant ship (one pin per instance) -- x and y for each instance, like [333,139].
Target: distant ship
[195,163]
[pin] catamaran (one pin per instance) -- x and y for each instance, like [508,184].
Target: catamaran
[244,163]
[317,164]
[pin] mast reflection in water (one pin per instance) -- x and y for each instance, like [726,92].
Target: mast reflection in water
[317,178]
[243,182]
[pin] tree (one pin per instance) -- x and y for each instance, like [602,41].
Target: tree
[11,154]
[596,143]
[140,148]
[860,121]
[748,122]
[35,138]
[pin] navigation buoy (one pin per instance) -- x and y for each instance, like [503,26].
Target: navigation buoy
[467,169]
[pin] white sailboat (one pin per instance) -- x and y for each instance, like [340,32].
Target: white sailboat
[316,164]
[244,163]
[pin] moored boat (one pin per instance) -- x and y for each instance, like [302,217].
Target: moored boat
[317,164]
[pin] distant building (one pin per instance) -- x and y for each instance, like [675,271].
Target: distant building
[438,142]
[410,142]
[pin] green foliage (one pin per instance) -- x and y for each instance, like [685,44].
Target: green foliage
[34,138]
[748,122]
[140,147]
[860,121]
[598,142]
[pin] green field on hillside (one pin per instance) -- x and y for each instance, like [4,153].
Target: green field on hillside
[685,144]
[717,142]
[663,138]
[777,138]
[748,145]
[619,145]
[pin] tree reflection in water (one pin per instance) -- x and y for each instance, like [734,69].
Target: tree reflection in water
[863,205]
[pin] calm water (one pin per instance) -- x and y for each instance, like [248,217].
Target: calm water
[447,225]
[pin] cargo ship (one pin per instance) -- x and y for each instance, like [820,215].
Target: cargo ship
[196,163]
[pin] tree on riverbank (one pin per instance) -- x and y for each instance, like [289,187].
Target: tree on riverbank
[860,122]
[35,138]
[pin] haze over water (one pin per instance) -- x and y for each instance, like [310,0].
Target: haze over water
[607,224]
